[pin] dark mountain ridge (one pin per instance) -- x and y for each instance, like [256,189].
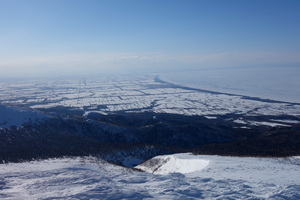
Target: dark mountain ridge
[120,136]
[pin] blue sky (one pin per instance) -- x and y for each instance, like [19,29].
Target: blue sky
[97,36]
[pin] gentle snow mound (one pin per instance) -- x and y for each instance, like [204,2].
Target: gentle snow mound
[177,163]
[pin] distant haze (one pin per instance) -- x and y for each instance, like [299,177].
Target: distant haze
[43,38]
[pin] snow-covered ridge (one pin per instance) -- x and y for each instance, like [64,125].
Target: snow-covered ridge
[18,115]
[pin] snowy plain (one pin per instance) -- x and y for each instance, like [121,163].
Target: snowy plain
[90,178]
[107,94]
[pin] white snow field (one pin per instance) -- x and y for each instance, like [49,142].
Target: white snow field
[216,178]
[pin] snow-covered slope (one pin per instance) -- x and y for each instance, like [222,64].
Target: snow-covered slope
[90,178]
[17,115]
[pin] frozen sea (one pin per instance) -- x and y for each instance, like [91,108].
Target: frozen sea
[276,83]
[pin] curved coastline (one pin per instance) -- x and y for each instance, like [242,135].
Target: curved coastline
[158,78]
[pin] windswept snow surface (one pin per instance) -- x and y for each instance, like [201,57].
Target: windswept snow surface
[90,178]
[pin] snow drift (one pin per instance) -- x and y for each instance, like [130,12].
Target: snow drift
[177,163]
